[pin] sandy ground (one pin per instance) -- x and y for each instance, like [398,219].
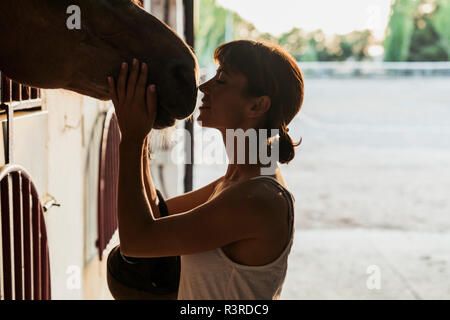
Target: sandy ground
[372,183]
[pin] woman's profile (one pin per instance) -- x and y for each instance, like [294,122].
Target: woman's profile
[234,235]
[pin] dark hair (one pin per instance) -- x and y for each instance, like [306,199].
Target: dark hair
[271,71]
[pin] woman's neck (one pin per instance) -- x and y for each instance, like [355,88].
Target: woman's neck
[247,157]
[241,172]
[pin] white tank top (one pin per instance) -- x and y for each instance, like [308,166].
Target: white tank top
[212,275]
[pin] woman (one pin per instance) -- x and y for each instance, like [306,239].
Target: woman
[234,235]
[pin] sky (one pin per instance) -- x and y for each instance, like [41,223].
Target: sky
[332,16]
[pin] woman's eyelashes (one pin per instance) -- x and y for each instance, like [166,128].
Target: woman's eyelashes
[219,76]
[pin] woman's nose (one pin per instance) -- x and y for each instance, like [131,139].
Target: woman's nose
[204,87]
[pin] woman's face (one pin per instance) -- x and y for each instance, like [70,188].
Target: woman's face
[224,105]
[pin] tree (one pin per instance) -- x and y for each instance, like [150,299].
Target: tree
[210,30]
[400,30]
[356,44]
[295,42]
[441,24]
[216,25]
[418,30]
[426,44]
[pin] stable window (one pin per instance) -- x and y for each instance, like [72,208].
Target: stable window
[18,96]
[24,254]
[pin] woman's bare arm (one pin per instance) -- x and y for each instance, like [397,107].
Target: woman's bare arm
[192,199]
[177,204]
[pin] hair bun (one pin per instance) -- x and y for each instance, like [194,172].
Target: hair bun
[284,129]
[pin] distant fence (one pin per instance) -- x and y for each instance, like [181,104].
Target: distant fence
[369,69]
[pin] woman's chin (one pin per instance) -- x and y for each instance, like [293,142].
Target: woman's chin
[203,122]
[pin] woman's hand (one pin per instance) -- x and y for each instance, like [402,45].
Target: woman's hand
[134,103]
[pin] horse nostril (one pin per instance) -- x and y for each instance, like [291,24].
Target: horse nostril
[184,79]
[181,78]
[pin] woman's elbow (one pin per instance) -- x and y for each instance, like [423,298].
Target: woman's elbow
[128,244]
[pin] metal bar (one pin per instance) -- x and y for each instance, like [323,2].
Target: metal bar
[48,283]
[36,217]
[6,240]
[27,104]
[111,199]
[188,124]
[1,87]
[109,181]
[17,235]
[1,253]
[110,178]
[166,11]
[148,5]
[26,92]
[49,287]
[107,211]
[27,253]
[115,176]
[102,186]
[34,93]
[16,91]
[6,89]
[44,258]
[9,133]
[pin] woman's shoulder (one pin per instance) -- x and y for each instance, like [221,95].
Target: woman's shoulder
[259,194]
[277,178]
[269,197]
[258,203]
[271,207]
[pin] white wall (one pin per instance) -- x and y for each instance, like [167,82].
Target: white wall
[70,119]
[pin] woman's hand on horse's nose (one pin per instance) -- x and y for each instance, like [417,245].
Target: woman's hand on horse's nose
[134,102]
